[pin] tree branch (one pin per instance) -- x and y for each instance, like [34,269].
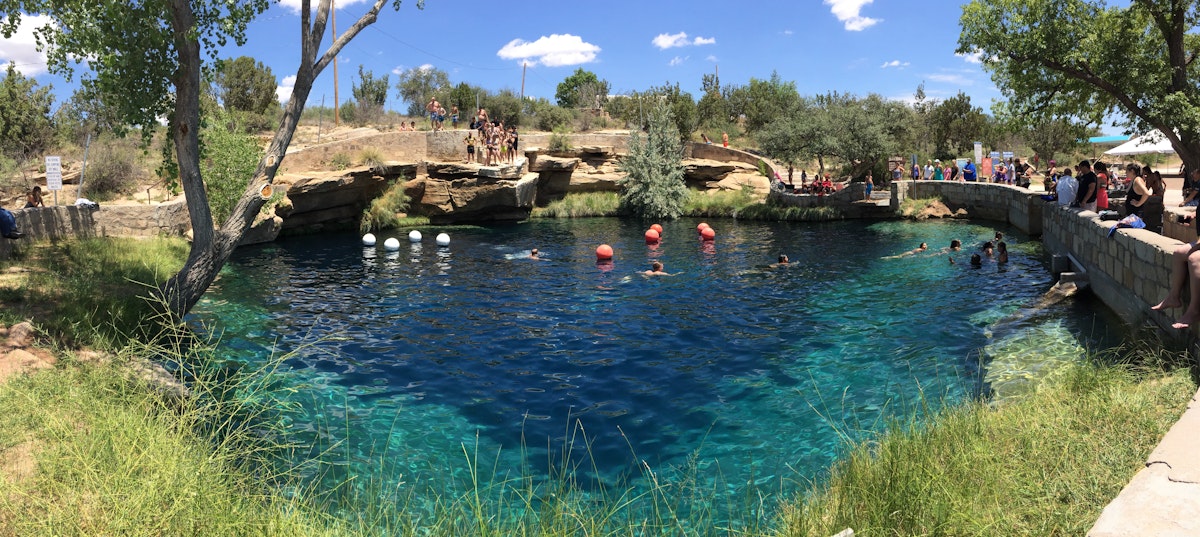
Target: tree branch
[367,19]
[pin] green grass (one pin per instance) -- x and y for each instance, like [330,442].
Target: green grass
[1044,465]
[583,205]
[384,211]
[89,292]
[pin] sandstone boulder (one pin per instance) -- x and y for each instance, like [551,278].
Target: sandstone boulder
[553,164]
[703,170]
[739,180]
[475,200]
[451,170]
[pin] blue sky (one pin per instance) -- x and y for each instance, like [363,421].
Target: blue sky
[856,46]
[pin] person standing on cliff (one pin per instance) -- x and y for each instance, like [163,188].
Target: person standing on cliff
[431,110]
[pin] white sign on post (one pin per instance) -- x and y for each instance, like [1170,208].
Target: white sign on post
[53,173]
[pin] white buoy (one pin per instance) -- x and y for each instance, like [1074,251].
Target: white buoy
[443,239]
[369,239]
[414,236]
[392,244]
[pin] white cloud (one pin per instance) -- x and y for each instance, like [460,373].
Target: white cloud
[948,78]
[666,41]
[677,60]
[711,58]
[849,13]
[974,57]
[894,63]
[21,48]
[294,5]
[283,91]
[786,32]
[555,50]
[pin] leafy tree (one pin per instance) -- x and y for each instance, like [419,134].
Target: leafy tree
[419,84]
[246,85]
[761,101]
[712,108]
[369,90]
[25,125]
[1087,60]
[504,105]
[955,125]
[1050,137]
[150,55]
[802,133]
[581,90]
[87,112]
[654,185]
[227,157]
[464,97]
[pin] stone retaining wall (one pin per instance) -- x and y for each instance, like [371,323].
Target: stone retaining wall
[1003,203]
[52,223]
[1129,271]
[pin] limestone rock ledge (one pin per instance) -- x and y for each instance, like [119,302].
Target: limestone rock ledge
[476,199]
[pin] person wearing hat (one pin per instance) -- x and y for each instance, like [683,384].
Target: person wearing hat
[1086,197]
[938,175]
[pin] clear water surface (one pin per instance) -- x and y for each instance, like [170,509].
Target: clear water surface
[741,375]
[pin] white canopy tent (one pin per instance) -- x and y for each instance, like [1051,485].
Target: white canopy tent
[1151,142]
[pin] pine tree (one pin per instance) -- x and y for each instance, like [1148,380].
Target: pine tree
[654,186]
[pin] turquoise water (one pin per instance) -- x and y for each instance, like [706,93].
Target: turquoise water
[745,377]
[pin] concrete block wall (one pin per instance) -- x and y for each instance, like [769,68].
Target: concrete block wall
[1130,270]
[1002,203]
[52,223]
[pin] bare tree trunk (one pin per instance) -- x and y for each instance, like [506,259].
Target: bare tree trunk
[211,248]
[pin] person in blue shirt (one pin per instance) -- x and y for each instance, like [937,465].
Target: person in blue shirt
[968,171]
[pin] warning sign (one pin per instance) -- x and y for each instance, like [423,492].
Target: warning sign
[53,173]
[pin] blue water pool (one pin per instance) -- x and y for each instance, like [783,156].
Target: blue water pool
[737,373]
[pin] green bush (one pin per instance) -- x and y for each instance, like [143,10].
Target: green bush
[370,157]
[554,118]
[559,142]
[112,169]
[580,205]
[340,161]
[384,211]
[654,185]
[229,158]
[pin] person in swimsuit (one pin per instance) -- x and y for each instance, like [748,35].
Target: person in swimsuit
[656,269]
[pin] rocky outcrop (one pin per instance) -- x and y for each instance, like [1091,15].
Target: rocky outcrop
[334,199]
[477,199]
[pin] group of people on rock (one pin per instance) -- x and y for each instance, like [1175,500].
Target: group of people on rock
[495,143]
[437,115]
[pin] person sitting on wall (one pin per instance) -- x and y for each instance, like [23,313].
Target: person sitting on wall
[34,198]
[8,225]
[1185,267]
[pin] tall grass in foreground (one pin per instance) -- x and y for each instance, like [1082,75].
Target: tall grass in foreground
[1043,465]
[89,292]
[582,205]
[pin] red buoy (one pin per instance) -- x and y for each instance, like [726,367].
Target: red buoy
[701,226]
[651,236]
[708,234]
[604,251]
[658,228]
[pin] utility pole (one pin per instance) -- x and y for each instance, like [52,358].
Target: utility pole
[523,64]
[337,118]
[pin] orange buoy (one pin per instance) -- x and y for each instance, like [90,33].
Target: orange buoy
[651,236]
[658,228]
[604,251]
[708,234]
[701,226]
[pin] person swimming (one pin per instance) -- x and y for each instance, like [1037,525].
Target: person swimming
[976,260]
[533,254]
[920,248]
[989,249]
[1001,252]
[657,269]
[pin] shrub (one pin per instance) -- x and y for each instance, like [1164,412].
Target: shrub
[654,187]
[560,142]
[370,156]
[112,170]
[554,118]
[384,211]
[229,158]
[339,161]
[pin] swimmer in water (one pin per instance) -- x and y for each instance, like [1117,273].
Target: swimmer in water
[923,247]
[1001,252]
[976,261]
[656,269]
[533,254]
[782,262]
[989,249]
